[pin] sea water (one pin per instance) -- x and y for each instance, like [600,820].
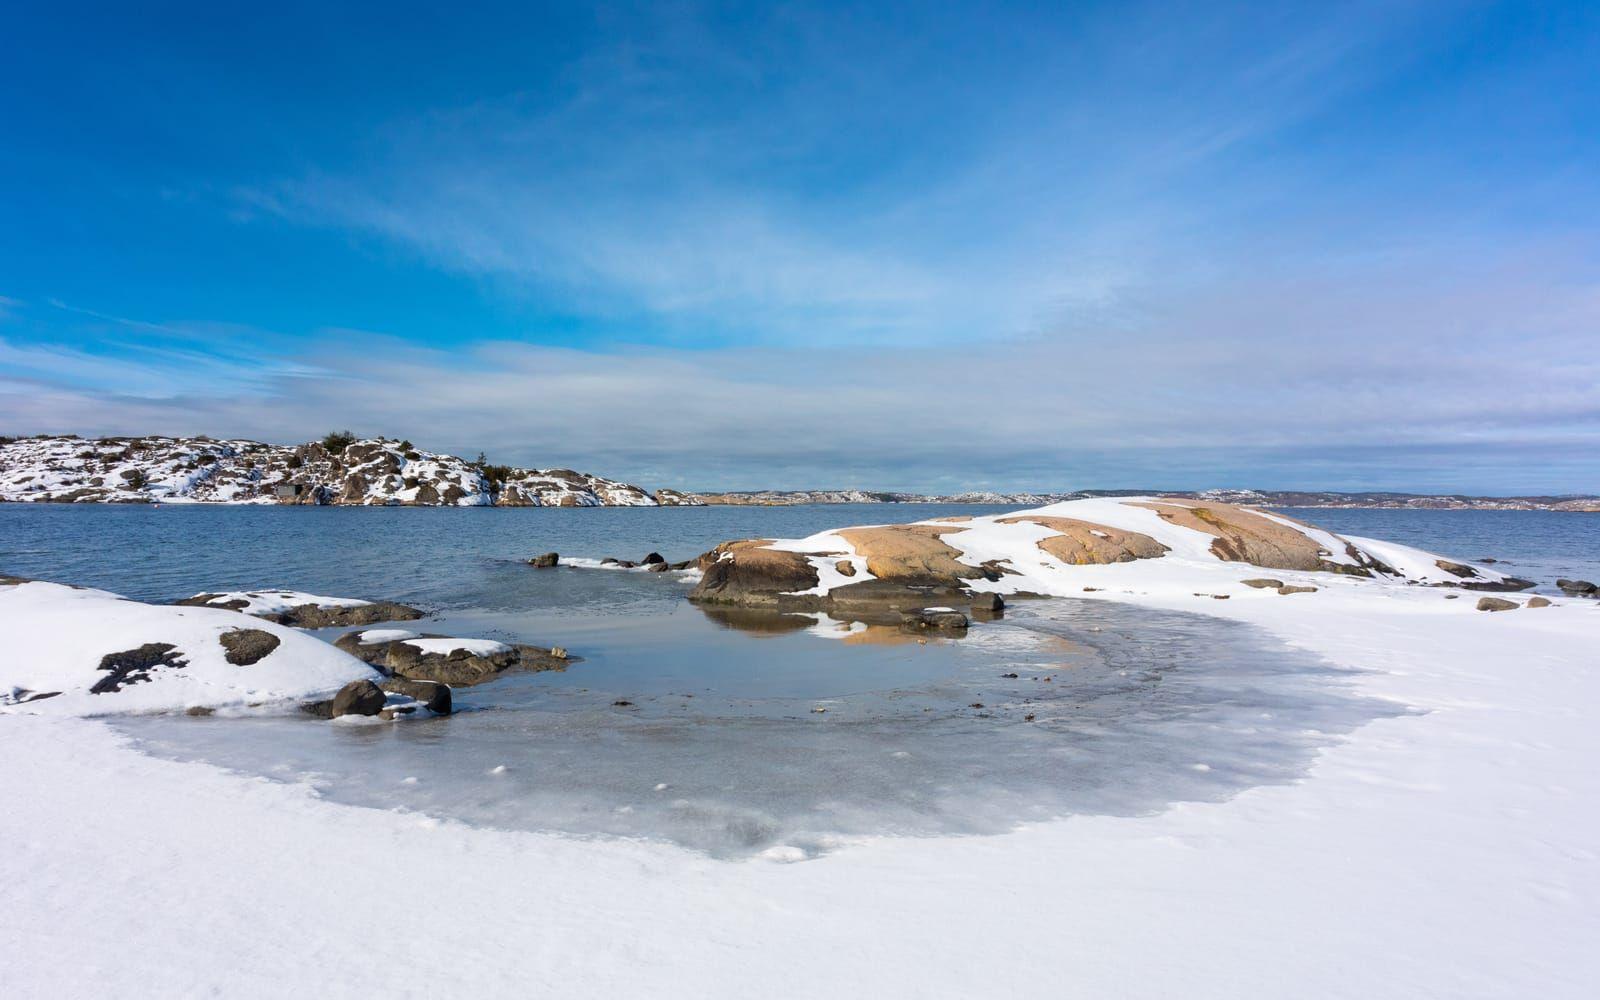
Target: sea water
[743,735]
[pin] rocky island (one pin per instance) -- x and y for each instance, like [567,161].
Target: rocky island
[339,469]
[925,573]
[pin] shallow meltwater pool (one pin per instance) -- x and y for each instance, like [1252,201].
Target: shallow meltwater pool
[742,735]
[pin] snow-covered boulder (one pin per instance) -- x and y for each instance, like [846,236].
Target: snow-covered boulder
[76,651]
[291,607]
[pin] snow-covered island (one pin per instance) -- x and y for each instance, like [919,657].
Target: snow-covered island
[1130,545]
[337,470]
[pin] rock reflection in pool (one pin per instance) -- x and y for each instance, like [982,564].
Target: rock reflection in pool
[1112,710]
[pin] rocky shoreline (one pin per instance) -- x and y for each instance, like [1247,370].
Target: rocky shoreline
[1254,498]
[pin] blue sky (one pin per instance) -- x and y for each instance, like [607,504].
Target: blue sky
[930,246]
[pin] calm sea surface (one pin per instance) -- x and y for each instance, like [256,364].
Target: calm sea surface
[780,736]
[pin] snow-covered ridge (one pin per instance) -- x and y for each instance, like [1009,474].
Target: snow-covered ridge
[369,471]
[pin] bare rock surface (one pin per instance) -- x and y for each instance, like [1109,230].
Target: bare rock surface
[244,646]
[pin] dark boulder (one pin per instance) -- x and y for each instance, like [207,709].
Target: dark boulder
[1577,588]
[934,620]
[244,646]
[546,561]
[435,697]
[652,559]
[357,698]
[986,602]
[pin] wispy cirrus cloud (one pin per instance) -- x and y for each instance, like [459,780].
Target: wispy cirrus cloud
[833,204]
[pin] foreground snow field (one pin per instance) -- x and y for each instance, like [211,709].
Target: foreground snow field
[1453,851]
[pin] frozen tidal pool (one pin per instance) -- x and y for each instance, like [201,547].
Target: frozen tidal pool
[788,737]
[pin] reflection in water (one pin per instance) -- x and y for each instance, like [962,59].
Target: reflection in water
[741,736]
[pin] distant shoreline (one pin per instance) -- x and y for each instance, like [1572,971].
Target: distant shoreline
[1489,506]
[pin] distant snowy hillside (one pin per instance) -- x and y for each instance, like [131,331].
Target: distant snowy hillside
[207,470]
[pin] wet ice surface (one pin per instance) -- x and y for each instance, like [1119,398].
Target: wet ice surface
[721,748]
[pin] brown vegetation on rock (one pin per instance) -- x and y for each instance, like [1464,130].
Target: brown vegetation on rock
[1082,543]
